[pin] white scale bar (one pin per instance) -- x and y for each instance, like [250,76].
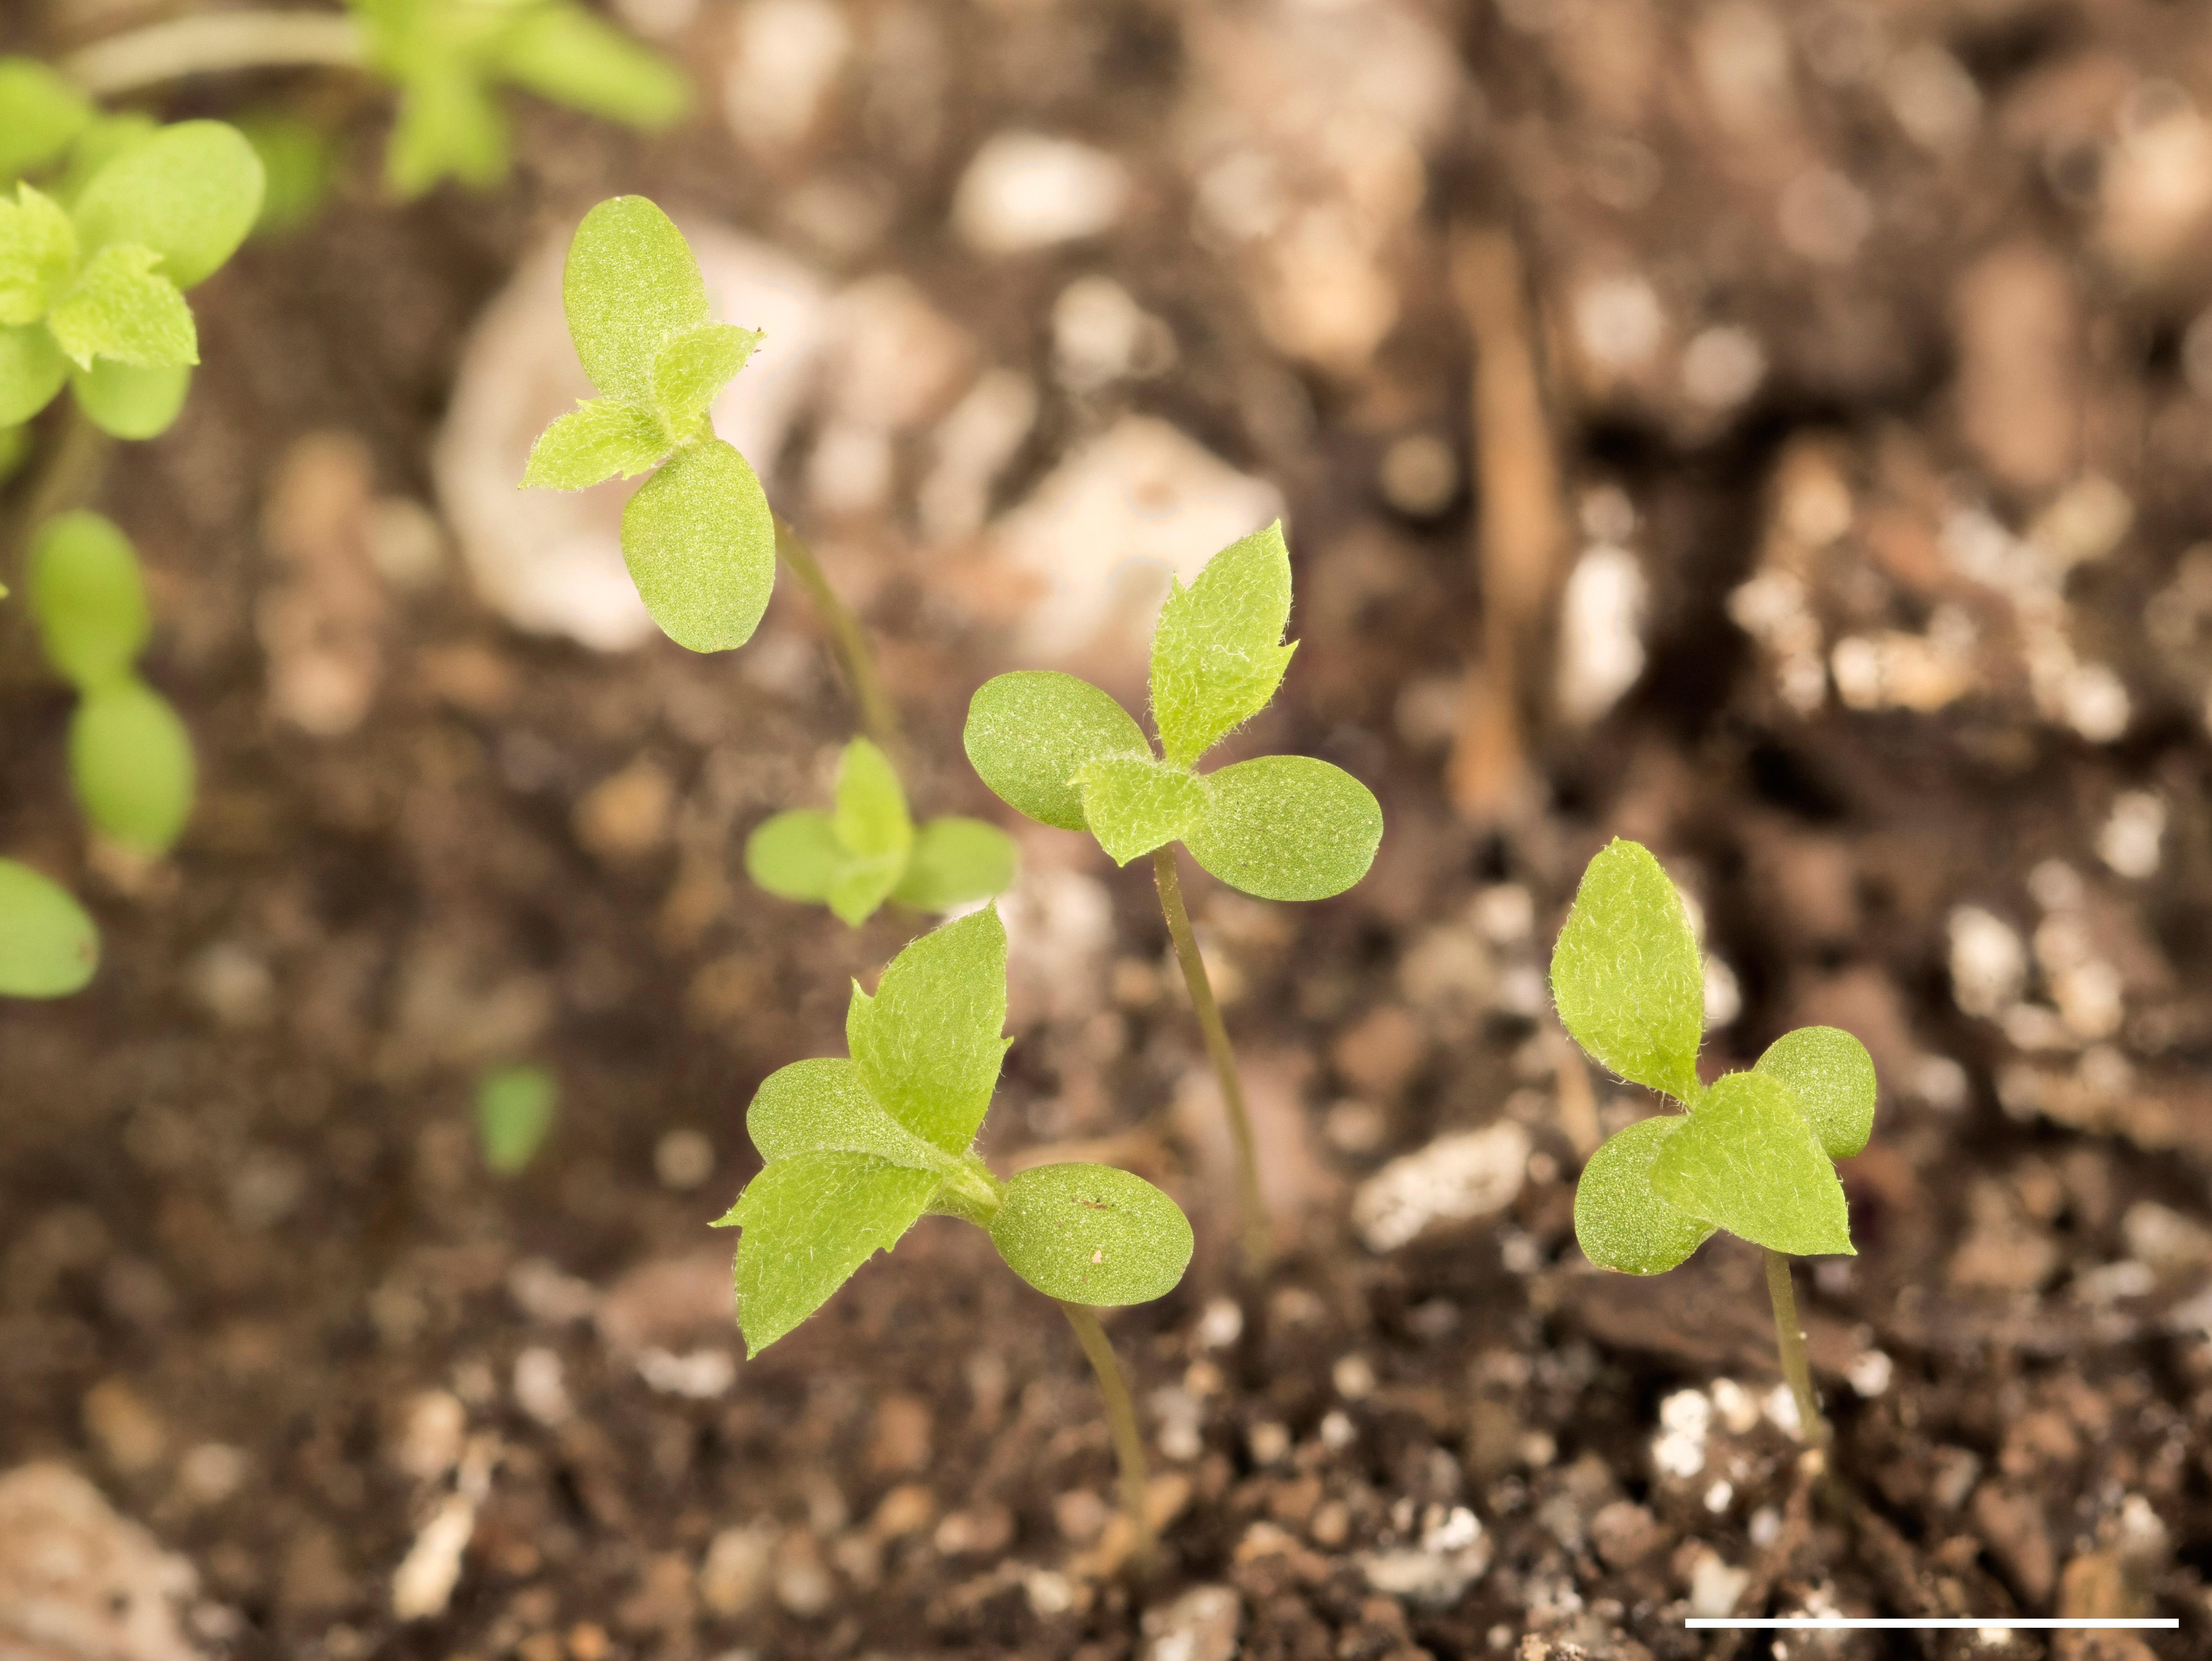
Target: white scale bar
[1970,1623]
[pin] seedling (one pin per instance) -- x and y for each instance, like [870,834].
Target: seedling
[49,948]
[92,295]
[514,1113]
[857,1151]
[867,850]
[1752,1154]
[1281,827]
[130,757]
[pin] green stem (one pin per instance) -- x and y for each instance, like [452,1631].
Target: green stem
[66,476]
[1121,1420]
[1252,1208]
[879,719]
[214,43]
[1789,1339]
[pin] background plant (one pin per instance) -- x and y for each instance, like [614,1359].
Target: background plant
[1281,827]
[1752,1154]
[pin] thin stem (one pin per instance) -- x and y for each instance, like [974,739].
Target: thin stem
[1789,1339]
[1121,1420]
[879,719]
[214,43]
[66,476]
[1252,1208]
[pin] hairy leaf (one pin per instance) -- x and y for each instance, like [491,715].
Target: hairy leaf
[928,1045]
[447,127]
[1746,1160]
[515,1112]
[1091,1234]
[631,287]
[1286,828]
[46,111]
[37,255]
[564,53]
[598,440]
[1625,973]
[131,759]
[956,861]
[191,193]
[1831,1075]
[1030,732]
[49,948]
[1218,653]
[691,369]
[699,543]
[32,370]
[1620,1222]
[125,401]
[122,307]
[809,1221]
[812,1106]
[794,855]
[88,597]
[1134,804]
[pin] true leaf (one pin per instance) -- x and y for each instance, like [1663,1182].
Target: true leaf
[297,161]
[1746,1161]
[809,1221]
[45,114]
[928,1045]
[1030,732]
[564,53]
[1134,804]
[89,599]
[699,543]
[1218,653]
[1621,1221]
[794,855]
[1625,973]
[48,947]
[1286,828]
[37,255]
[813,1106]
[598,440]
[125,401]
[692,369]
[1091,1234]
[447,127]
[515,1112]
[874,830]
[630,287]
[131,759]
[122,307]
[956,861]
[32,370]
[1831,1075]
[191,193]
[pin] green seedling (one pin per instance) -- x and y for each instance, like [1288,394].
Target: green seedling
[856,1152]
[45,114]
[297,165]
[1752,1154]
[93,294]
[130,757]
[698,536]
[866,850]
[515,1107]
[49,948]
[1281,827]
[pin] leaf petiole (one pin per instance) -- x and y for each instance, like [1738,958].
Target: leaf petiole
[1789,1341]
[1122,1421]
[848,640]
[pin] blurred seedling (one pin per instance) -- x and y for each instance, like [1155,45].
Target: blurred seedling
[866,849]
[49,948]
[1281,827]
[515,1106]
[129,757]
[857,1151]
[1752,1154]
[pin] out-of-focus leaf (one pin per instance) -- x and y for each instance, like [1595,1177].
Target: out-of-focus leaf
[125,401]
[515,1107]
[191,193]
[88,597]
[956,861]
[131,759]
[49,948]
[123,308]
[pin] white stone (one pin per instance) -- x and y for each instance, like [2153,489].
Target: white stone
[540,1387]
[422,1586]
[1724,993]
[1025,191]
[1933,97]
[1454,1180]
[1220,1323]
[893,359]
[80,1582]
[699,1375]
[1619,321]
[1722,366]
[2129,843]
[789,54]
[1600,631]
[971,446]
[1100,334]
[1199,1625]
[1989,965]
[1871,1373]
[1715,1586]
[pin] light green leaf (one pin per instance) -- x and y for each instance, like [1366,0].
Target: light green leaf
[794,855]
[873,829]
[691,369]
[122,307]
[1286,828]
[1091,1234]
[297,162]
[815,1105]
[1619,1221]
[447,127]
[125,401]
[191,193]
[598,440]
[631,287]
[1746,1160]
[1030,732]
[566,54]
[1218,653]
[109,138]
[32,370]
[928,1045]
[88,597]
[45,114]
[1133,803]
[956,861]
[514,1113]
[809,1221]
[37,255]
[48,947]
[1831,1077]
[699,543]
[131,759]
[1625,973]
